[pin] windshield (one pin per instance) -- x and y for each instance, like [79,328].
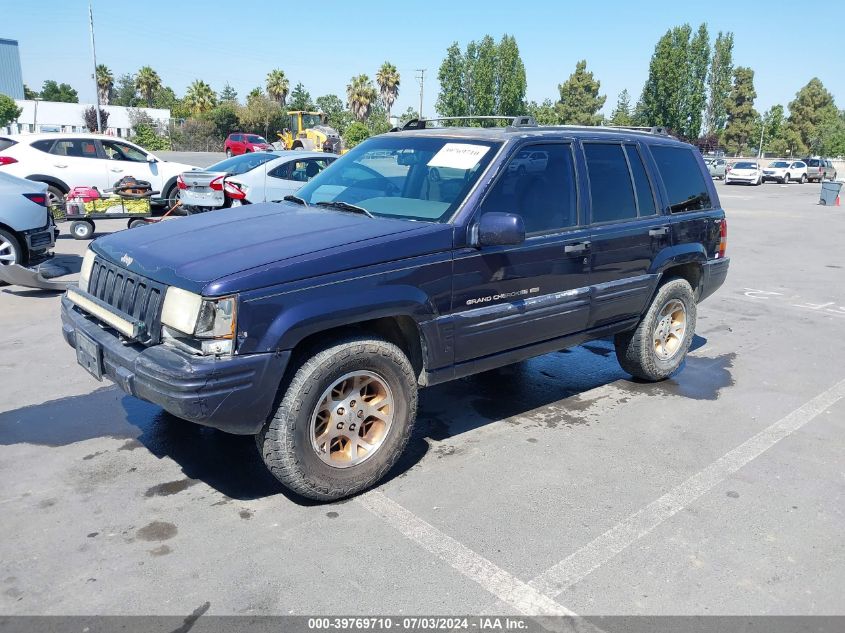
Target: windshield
[241,164]
[779,163]
[745,166]
[311,120]
[254,138]
[414,178]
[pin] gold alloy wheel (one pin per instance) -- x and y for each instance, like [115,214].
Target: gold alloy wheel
[670,330]
[352,419]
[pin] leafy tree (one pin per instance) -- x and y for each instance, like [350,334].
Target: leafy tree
[262,115]
[355,133]
[452,100]
[29,94]
[695,92]
[484,73]
[339,117]
[772,127]
[408,115]
[387,79]
[228,94]
[544,113]
[200,98]
[377,122]
[833,136]
[742,117]
[622,114]
[105,83]
[277,85]
[9,110]
[255,93]
[360,96]
[147,132]
[125,92]
[580,101]
[300,98]
[166,98]
[52,91]
[510,91]
[719,83]
[225,118]
[810,111]
[89,117]
[147,82]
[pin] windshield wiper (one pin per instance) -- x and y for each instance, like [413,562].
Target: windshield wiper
[345,206]
[295,199]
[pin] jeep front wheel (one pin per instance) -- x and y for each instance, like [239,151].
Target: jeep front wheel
[343,420]
[659,344]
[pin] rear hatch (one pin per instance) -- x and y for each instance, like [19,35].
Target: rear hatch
[202,188]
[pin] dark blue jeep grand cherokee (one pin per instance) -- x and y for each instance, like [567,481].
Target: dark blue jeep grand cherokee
[421,256]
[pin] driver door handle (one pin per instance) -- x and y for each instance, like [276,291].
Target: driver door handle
[116,170]
[661,230]
[59,165]
[578,247]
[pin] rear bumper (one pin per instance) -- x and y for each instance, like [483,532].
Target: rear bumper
[713,275]
[233,394]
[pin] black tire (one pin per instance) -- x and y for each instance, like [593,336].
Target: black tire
[55,196]
[135,223]
[228,153]
[285,441]
[11,251]
[171,197]
[803,179]
[635,349]
[82,230]
[786,179]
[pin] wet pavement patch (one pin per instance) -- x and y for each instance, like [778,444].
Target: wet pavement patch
[246,514]
[332,515]
[699,378]
[157,531]
[93,455]
[170,488]
[161,550]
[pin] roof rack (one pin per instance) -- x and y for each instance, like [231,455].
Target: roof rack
[651,129]
[515,121]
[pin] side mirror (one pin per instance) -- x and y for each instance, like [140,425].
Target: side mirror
[151,158]
[499,229]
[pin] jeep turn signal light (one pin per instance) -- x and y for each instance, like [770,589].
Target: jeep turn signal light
[723,239]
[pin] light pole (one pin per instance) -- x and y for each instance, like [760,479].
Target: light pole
[421,78]
[762,129]
[94,57]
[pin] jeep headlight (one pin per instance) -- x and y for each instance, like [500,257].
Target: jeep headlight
[85,271]
[205,326]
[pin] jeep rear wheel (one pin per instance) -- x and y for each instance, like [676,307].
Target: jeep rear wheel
[659,344]
[343,421]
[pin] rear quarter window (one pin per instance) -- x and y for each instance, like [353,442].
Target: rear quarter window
[682,177]
[6,143]
[43,145]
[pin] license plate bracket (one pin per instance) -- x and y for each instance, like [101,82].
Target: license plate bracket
[89,354]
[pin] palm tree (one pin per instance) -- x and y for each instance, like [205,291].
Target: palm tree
[199,97]
[360,96]
[277,86]
[105,83]
[148,82]
[387,79]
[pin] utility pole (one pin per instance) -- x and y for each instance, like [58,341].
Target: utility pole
[421,79]
[762,129]
[94,57]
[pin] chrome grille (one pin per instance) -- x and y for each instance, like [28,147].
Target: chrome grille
[132,294]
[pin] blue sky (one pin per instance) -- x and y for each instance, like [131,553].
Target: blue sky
[240,42]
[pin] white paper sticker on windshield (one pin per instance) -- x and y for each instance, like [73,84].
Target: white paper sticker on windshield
[458,156]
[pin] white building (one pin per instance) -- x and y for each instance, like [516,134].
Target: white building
[53,116]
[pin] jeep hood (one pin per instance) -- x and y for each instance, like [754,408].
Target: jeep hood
[234,250]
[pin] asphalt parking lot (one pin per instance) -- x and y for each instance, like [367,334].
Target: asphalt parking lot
[557,485]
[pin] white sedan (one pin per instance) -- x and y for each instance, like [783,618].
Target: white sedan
[26,229]
[783,171]
[745,171]
[250,178]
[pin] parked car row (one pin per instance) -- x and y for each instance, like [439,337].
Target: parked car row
[782,171]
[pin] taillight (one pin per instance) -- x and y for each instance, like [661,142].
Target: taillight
[217,184]
[234,191]
[723,239]
[37,198]
[7,160]
[180,183]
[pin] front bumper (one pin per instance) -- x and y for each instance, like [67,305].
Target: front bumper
[713,275]
[232,394]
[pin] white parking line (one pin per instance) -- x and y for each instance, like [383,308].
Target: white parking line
[583,562]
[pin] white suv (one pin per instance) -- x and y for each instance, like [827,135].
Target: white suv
[62,161]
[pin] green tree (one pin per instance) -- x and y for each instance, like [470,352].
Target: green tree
[105,83]
[810,111]
[147,82]
[510,91]
[125,91]
[339,117]
[30,94]
[262,115]
[200,98]
[484,73]
[580,100]
[696,90]
[544,113]
[225,118]
[355,133]
[742,117]
[360,96]
[388,79]
[452,100]
[52,91]
[409,115]
[833,136]
[147,132]
[228,94]
[622,114]
[300,98]
[278,86]
[772,126]
[255,93]
[9,110]
[719,83]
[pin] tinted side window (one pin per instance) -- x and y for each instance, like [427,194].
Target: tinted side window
[77,148]
[645,197]
[682,177]
[610,182]
[42,145]
[543,193]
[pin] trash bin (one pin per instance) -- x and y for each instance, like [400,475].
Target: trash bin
[830,192]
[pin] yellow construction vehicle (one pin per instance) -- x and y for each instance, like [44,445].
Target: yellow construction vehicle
[310,131]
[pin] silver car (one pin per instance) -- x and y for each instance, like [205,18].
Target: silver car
[26,227]
[717,167]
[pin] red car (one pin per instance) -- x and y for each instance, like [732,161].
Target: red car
[239,143]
